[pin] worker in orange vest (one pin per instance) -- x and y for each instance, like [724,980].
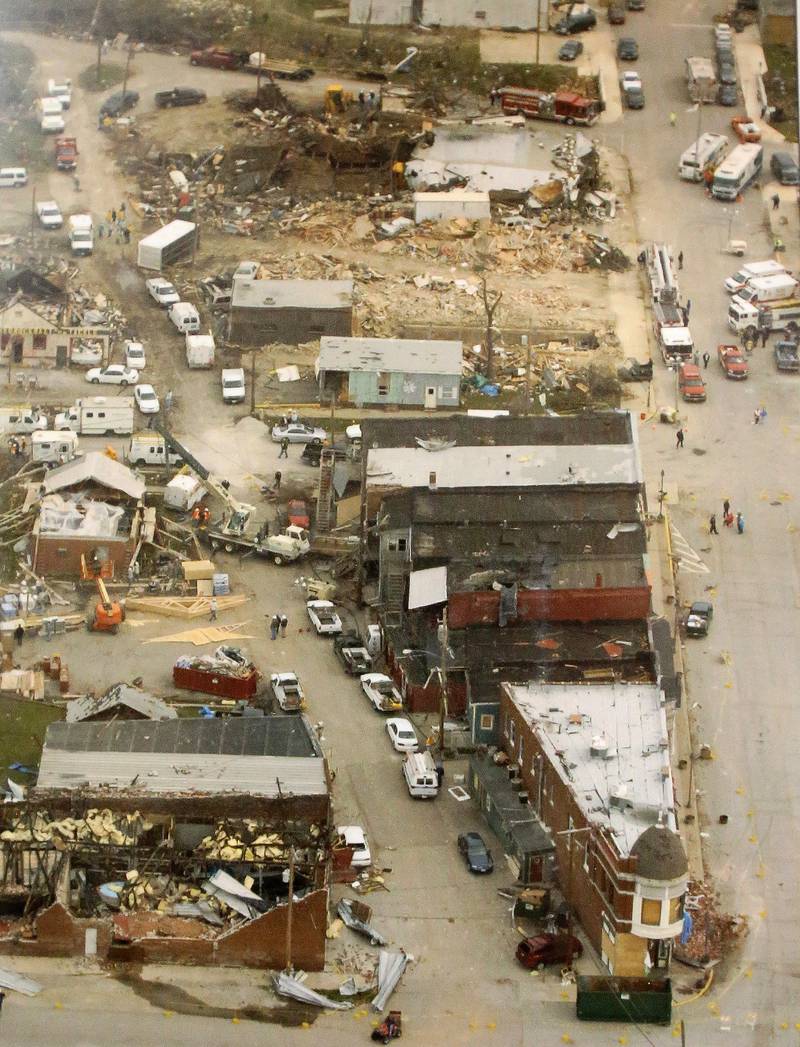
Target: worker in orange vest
[196,513]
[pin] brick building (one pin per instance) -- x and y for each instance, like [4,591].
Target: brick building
[290,311]
[592,761]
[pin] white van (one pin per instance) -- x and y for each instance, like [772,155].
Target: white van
[185,317]
[199,350]
[753,271]
[13,177]
[50,446]
[148,448]
[62,90]
[419,771]
[21,418]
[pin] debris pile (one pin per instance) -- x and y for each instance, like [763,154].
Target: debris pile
[713,933]
[98,826]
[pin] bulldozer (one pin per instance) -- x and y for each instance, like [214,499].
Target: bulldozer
[337,99]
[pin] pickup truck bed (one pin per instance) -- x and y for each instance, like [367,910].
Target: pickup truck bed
[787,357]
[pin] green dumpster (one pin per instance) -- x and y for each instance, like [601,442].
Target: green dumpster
[605,998]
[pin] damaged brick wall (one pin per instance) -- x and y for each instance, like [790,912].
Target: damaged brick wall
[60,557]
[258,943]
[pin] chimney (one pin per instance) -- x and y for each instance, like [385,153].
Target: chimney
[432,481]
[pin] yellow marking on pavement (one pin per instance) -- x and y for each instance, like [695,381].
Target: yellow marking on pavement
[753,839]
[740,791]
[763,914]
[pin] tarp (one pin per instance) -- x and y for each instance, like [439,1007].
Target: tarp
[19,983]
[285,985]
[391,964]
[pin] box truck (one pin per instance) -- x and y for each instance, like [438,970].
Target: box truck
[199,350]
[50,446]
[167,244]
[99,415]
[81,234]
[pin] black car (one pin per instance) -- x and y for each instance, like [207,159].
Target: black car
[726,73]
[634,97]
[627,49]
[699,618]
[118,103]
[475,853]
[179,96]
[616,14]
[312,452]
[728,94]
[635,5]
[576,23]
[784,168]
[569,51]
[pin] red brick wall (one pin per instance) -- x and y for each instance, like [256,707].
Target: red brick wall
[259,943]
[552,605]
[603,888]
[61,557]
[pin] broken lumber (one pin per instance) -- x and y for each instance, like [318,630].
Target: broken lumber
[183,606]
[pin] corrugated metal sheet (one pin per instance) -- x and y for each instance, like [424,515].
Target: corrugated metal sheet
[173,773]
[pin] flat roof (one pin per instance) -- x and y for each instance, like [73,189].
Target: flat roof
[503,466]
[291,294]
[266,756]
[628,785]
[419,356]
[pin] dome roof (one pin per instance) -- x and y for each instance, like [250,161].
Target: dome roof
[661,854]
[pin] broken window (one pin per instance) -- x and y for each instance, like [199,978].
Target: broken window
[383,383]
[39,342]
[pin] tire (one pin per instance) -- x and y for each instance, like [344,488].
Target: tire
[140,463]
[95,381]
[277,559]
[192,61]
[124,384]
[569,121]
[229,547]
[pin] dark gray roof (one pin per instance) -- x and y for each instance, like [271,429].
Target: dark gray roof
[227,736]
[661,854]
[600,427]
[523,828]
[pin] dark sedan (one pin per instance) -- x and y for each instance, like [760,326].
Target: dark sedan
[634,97]
[179,96]
[784,168]
[569,51]
[627,49]
[475,853]
[699,618]
[728,95]
[118,103]
[545,949]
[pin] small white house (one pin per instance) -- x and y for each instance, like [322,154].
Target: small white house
[460,203]
[476,14]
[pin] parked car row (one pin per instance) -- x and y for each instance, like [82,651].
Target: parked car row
[727,92]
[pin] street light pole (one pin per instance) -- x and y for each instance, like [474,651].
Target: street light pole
[442,679]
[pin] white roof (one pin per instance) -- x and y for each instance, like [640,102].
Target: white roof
[406,355]
[292,294]
[521,466]
[167,233]
[675,335]
[630,785]
[95,467]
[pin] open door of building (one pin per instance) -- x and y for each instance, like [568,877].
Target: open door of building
[430,397]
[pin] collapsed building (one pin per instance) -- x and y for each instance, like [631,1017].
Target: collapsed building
[45,334]
[177,841]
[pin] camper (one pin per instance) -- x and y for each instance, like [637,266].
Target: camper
[199,350]
[53,447]
[98,415]
[81,234]
[737,171]
[419,771]
[185,317]
[21,418]
[167,244]
[183,492]
[148,448]
[706,152]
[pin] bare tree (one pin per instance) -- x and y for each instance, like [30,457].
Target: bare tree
[491,299]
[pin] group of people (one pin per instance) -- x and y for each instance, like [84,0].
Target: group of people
[201,515]
[17,446]
[728,519]
[277,624]
[115,219]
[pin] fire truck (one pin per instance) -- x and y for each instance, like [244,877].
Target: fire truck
[567,107]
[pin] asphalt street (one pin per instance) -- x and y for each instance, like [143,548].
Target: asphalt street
[465,987]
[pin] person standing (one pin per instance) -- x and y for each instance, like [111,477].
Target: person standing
[740,523]
[712,524]
[728,519]
[19,634]
[756,416]
[679,436]
[284,624]
[113,216]
[212,605]
[776,202]
[688,308]
[274,626]
[680,260]
[276,483]
[706,359]
[284,453]
[726,507]
[673,119]
[764,336]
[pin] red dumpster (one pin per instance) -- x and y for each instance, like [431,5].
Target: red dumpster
[213,681]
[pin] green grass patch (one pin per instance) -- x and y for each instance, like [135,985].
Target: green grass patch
[22,728]
[780,81]
[22,144]
[111,74]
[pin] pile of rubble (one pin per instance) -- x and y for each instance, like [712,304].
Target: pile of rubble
[247,843]
[713,933]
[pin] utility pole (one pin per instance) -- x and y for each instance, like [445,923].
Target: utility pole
[290,914]
[253,381]
[526,343]
[33,215]
[127,70]
[661,496]
[443,648]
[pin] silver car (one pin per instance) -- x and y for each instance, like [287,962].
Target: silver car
[297,433]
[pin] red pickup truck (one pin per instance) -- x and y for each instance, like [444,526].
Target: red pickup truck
[217,58]
[732,362]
